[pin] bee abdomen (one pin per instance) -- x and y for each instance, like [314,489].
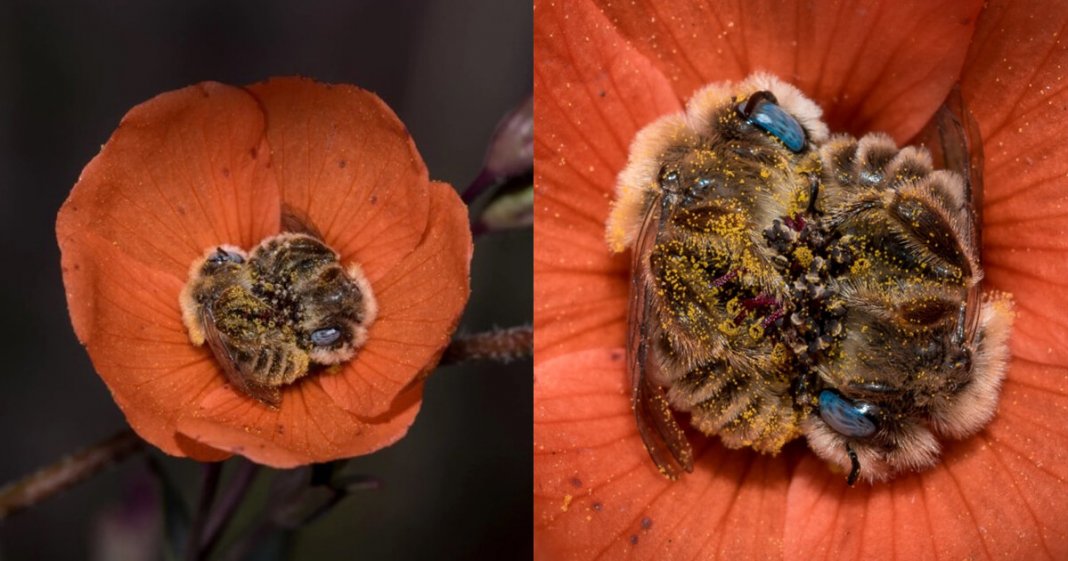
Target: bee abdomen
[749,419]
[744,409]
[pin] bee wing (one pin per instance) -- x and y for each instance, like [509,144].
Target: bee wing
[957,145]
[295,221]
[662,435]
[224,355]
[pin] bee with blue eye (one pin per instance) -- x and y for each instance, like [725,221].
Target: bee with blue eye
[272,315]
[787,283]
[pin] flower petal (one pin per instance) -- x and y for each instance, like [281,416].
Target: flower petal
[593,93]
[185,171]
[882,66]
[126,314]
[1023,455]
[1015,85]
[347,164]
[597,494]
[420,300]
[307,427]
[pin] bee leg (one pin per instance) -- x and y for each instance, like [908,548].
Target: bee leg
[813,192]
[728,277]
[855,470]
[773,316]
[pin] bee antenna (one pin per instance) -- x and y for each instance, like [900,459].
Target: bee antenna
[855,471]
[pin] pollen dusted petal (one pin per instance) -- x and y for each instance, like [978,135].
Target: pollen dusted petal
[126,314]
[1023,454]
[307,427]
[883,65]
[420,300]
[1015,85]
[593,93]
[949,511]
[346,163]
[891,80]
[598,495]
[184,171]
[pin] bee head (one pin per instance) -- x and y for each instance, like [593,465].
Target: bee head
[223,258]
[868,440]
[762,111]
[334,342]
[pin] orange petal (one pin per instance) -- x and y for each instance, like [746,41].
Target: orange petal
[592,93]
[597,493]
[999,495]
[420,300]
[126,314]
[184,171]
[882,66]
[1016,87]
[307,427]
[346,163]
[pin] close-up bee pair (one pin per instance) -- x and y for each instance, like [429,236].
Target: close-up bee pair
[270,316]
[787,282]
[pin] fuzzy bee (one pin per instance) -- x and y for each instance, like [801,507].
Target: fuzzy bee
[272,314]
[923,351]
[770,298]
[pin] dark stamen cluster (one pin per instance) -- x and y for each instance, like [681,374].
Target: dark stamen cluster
[810,259]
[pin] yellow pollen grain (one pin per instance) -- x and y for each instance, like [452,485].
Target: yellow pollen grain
[803,255]
[756,331]
[860,266]
[727,327]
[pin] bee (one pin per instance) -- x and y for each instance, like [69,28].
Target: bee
[923,350]
[271,315]
[785,283]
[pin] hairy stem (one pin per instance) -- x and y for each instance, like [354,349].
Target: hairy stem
[70,470]
[499,345]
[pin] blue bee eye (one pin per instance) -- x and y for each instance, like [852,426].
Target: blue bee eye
[223,256]
[325,336]
[762,111]
[855,420]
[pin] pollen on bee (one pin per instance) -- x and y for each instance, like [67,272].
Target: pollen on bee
[780,265]
[271,314]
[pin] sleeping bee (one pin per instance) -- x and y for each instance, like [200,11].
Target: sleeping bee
[271,315]
[786,284]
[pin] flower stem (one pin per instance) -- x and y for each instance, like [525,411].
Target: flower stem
[212,474]
[221,515]
[499,345]
[72,469]
[484,181]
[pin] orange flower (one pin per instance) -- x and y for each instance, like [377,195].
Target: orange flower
[212,165]
[606,69]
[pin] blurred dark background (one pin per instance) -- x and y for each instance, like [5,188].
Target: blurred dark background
[458,487]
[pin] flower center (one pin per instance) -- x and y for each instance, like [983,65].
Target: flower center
[271,315]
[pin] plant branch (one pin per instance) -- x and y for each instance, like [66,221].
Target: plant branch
[212,475]
[499,345]
[70,470]
[228,503]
